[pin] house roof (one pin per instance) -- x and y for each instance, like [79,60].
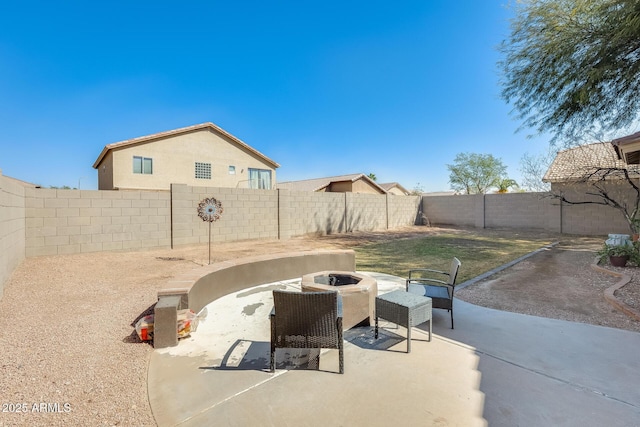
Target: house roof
[19,181]
[594,161]
[156,136]
[441,193]
[389,185]
[628,148]
[318,184]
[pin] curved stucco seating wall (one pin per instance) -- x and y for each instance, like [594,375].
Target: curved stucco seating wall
[199,287]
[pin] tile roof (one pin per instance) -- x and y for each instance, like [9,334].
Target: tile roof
[318,184]
[591,161]
[174,132]
[389,185]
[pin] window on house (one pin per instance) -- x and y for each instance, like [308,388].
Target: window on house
[260,178]
[142,165]
[203,170]
[232,170]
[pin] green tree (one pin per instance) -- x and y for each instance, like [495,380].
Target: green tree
[572,67]
[476,173]
[505,184]
[372,176]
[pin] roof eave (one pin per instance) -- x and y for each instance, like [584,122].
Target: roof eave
[174,132]
[627,148]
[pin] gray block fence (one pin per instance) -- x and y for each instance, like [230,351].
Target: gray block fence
[36,222]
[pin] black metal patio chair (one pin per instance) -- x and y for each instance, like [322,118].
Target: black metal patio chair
[422,281]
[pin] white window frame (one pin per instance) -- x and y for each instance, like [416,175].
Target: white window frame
[145,166]
[260,179]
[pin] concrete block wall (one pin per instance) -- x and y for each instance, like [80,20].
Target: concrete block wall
[514,210]
[479,211]
[593,218]
[366,212]
[403,211]
[315,213]
[450,210]
[328,213]
[51,221]
[285,214]
[247,214]
[528,211]
[75,221]
[37,222]
[12,223]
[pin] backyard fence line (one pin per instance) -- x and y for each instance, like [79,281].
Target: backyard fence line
[529,211]
[76,221]
[35,221]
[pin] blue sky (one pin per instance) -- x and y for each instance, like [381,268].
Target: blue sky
[323,88]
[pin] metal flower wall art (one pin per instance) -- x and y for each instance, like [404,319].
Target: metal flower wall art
[210,210]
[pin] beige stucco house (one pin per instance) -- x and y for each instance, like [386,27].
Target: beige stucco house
[199,155]
[395,188]
[19,181]
[354,183]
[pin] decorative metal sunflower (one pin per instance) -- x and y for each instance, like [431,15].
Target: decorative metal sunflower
[210,209]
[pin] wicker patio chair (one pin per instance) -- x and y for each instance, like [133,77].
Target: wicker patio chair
[421,281]
[306,320]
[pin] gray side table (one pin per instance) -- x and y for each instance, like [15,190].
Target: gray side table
[404,309]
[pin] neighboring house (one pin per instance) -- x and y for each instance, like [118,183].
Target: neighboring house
[199,155]
[355,183]
[19,181]
[595,162]
[628,148]
[394,188]
[441,193]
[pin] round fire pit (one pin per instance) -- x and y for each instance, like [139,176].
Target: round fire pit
[358,293]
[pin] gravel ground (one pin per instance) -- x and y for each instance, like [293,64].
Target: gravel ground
[67,337]
[559,283]
[630,293]
[70,356]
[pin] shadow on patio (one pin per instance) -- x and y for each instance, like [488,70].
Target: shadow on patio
[220,375]
[495,368]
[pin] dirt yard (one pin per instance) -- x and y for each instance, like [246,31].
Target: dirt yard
[70,355]
[559,283]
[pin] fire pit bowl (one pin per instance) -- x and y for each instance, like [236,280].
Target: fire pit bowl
[358,293]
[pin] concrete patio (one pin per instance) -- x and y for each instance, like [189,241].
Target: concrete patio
[496,368]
